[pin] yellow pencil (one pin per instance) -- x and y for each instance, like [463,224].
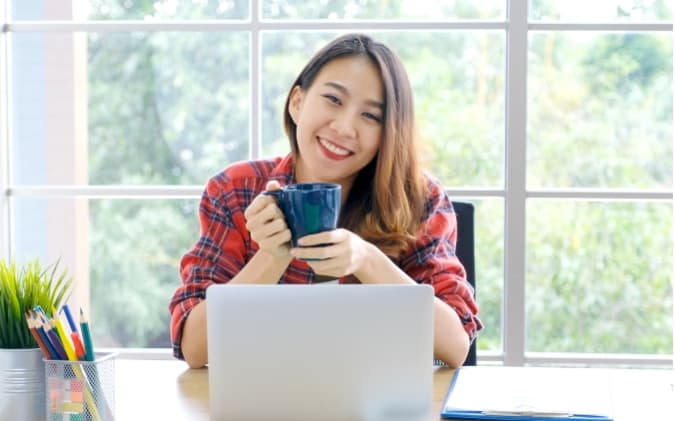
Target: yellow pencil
[65,340]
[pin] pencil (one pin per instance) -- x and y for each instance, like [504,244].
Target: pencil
[79,373]
[90,356]
[53,355]
[65,340]
[79,347]
[74,334]
[54,339]
[36,336]
[86,335]
[55,322]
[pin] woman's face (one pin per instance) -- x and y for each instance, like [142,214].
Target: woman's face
[339,121]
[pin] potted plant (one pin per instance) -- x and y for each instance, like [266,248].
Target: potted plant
[22,384]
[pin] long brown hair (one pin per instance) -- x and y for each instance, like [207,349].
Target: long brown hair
[386,203]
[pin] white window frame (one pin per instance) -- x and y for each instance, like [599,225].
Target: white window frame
[514,192]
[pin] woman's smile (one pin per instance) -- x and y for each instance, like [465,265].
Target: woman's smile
[332,150]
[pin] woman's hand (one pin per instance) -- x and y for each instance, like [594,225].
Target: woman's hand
[265,222]
[336,253]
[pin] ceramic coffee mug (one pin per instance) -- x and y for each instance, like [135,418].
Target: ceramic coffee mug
[309,208]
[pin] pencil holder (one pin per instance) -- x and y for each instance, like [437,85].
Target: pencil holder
[81,390]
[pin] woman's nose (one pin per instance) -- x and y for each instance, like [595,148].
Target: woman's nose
[344,125]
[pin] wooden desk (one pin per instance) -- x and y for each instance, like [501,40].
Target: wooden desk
[168,390]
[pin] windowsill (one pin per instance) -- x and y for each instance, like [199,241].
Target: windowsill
[484,358]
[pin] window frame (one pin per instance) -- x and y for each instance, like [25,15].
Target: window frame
[514,192]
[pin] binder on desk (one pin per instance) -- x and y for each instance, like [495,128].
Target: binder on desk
[527,393]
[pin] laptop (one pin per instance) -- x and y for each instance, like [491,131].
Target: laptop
[320,352]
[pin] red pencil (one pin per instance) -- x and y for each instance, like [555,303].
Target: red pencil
[79,348]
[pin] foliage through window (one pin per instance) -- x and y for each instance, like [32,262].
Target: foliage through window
[173,107]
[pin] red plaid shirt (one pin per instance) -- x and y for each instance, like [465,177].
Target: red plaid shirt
[225,245]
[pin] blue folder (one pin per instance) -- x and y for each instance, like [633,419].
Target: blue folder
[523,394]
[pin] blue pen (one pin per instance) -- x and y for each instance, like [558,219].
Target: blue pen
[69,317]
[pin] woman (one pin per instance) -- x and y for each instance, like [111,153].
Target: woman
[350,120]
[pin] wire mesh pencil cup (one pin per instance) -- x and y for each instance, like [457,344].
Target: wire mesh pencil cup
[81,390]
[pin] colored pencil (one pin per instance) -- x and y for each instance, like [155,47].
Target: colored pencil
[53,355]
[74,333]
[86,335]
[66,352]
[65,340]
[54,339]
[90,356]
[37,337]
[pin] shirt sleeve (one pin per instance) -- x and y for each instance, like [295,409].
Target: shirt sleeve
[433,260]
[216,257]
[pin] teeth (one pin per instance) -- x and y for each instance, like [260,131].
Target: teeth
[334,148]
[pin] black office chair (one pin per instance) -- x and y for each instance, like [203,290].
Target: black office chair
[465,253]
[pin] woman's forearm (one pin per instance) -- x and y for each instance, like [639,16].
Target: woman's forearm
[263,268]
[451,343]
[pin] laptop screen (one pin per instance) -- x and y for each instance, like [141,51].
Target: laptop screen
[311,352]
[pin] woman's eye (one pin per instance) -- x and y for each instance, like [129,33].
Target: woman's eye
[332,98]
[372,116]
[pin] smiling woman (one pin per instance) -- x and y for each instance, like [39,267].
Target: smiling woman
[350,120]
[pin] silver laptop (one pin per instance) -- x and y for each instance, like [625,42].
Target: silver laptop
[320,352]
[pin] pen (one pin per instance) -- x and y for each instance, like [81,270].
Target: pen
[528,413]
[543,416]
[66,310]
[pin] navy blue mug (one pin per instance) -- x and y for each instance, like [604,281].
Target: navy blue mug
[309,208]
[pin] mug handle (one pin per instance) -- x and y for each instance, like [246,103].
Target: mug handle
[278,194]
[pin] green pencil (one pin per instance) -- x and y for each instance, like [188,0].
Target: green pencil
[86,336]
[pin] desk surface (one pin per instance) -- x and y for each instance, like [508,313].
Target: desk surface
[169,390]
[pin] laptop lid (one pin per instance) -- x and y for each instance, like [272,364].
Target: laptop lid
[320,352]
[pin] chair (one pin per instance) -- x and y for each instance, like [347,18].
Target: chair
[465,253]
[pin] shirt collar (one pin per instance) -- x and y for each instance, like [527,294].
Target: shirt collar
[284,171]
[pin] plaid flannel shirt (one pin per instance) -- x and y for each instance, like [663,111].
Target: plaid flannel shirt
[225,245]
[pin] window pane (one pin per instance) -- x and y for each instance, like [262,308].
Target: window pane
[459,96]
[135,247]
[129,9]
[384,9]
[127,250]
[599,277]
[601,10]
[163,108]
[600,110]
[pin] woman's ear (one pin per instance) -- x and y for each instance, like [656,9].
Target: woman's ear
[295,103]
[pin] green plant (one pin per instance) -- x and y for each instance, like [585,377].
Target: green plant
[21,289]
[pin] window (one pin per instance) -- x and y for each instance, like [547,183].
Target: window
[553,118]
